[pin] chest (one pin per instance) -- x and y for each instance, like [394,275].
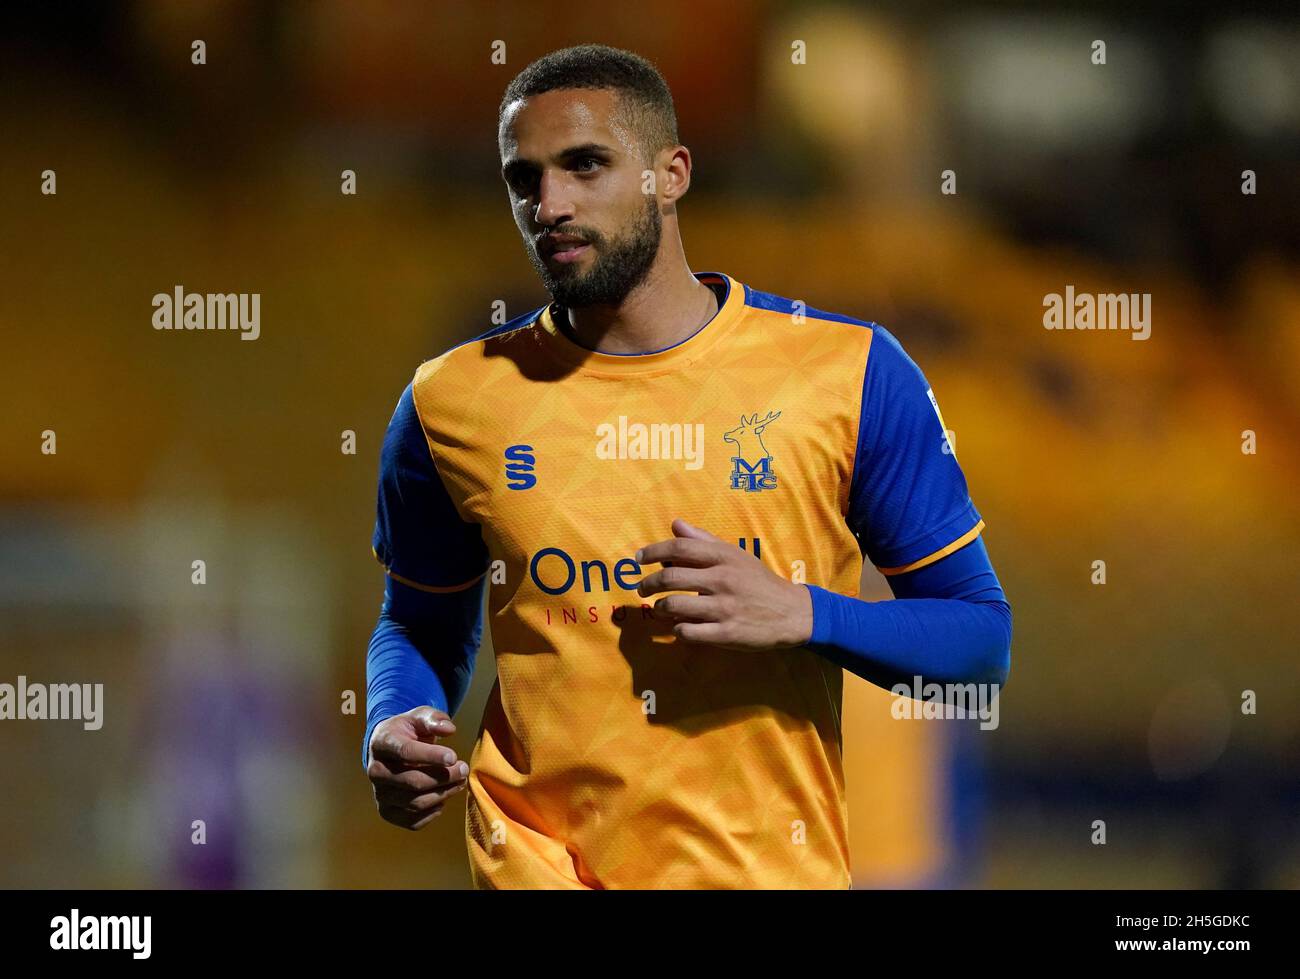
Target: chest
[591,471]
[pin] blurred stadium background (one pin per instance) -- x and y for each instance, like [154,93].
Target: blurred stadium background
[817,181]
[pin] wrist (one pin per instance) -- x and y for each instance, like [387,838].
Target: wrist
[802,619]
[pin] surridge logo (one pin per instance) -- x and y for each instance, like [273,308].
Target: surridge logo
[751,463]
[519,467]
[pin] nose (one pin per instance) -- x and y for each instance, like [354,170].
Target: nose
[554,203]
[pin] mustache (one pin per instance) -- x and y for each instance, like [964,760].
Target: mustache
[539,241]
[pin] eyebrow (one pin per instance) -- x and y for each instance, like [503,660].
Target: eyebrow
[515,165]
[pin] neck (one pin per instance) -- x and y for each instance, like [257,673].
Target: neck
[666,308]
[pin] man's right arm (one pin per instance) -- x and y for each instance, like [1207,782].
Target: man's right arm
[422,652]
[421,655]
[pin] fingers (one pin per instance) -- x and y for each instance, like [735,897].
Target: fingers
[415,779]
[413,799]
[701,580]
[412,775]
[686,551]
[408,819]
[429,722]
[685,529]
[713,633]
[390,745]
[416,802]
[688,608]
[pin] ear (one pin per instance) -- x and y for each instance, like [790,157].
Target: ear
[676,164]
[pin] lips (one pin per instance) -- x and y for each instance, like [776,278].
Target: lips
[563,248]
[569,253]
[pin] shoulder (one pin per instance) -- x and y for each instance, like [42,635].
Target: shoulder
[886,378]
[797,320]
[877,353]
[469,363]
[770,302]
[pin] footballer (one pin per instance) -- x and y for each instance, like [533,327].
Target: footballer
[666,481]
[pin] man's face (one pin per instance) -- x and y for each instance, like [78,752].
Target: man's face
[575,178]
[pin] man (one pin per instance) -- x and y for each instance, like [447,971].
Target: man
[748,450]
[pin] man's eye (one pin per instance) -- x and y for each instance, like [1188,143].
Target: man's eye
[582,164]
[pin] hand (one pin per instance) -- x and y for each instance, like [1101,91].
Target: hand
[741,603]
[413,776]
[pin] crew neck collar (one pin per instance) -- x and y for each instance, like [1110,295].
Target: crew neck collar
[681,353]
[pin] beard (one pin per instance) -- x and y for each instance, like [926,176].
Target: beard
[621,263]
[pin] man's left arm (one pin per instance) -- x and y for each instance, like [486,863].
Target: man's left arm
[914,519]
[950,623]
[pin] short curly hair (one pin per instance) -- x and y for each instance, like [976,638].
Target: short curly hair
[646,104]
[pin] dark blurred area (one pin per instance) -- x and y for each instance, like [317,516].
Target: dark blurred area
[817,179]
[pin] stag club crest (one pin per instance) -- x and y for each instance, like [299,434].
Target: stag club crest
[751,463]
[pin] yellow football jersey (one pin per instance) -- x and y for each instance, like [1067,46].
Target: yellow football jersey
[612,755]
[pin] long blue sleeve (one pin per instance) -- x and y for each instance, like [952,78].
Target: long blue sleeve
[949,623]
[421,652]
[423,648]
[912,514]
